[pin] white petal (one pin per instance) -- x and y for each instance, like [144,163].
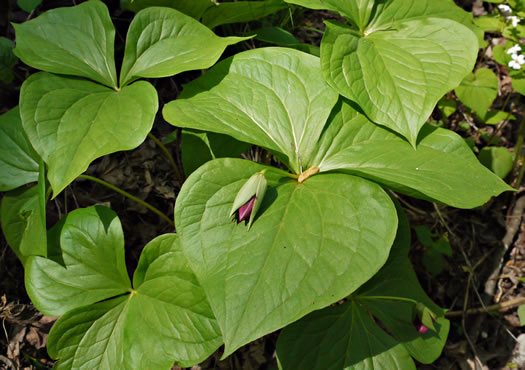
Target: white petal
[514,65]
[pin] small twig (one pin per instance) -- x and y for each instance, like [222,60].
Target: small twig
[128,195]
[512,229]
[504,306]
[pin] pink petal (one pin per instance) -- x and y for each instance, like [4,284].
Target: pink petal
[246,210]
[422,329]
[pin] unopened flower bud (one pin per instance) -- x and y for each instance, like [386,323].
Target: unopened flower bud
[423,319]
[249,198]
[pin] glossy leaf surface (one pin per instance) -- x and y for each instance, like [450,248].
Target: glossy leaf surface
[310,245]
[86,263]
[193,8]
[165,319]
[347,337]
[442,168]
[18,159]
[400,55]
[73,41]
[397,76]
[71,121]
[240,11]
[249,97]
[162,42]
[200,147]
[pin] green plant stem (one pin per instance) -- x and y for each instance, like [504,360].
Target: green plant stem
[282,172]
[388,298]
[128,195]
[169,156]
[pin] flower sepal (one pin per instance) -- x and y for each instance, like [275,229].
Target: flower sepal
[249,198]
[424,319]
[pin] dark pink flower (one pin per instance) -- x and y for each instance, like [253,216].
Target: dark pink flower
[246,210]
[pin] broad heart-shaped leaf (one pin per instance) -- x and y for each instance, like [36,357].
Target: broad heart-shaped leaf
[162,42]
[357,11]
[442,168]
[346,337]
[240,11]
[311,244]
[337,338]
[88,267]
[22,214]
[73,41]
[478,90]
[193,8]
[72,121]
[398,75]
[18,159]
[271,97]
[165,319]
[7,60]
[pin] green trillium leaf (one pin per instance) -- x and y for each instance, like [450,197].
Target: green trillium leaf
[353,144]
[193,8]
[478,91]
[497,159]
[162,42]
[18,159]
[71,121]
[240,11]
[398,76]
[85,265]
[347,337]
[357,11]
[7,60]
[164,319]
[73,41]
[200,147]
[22,215]
[400,55]
[249,98]
[311,244]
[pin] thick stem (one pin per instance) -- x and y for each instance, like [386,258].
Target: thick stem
[128,195]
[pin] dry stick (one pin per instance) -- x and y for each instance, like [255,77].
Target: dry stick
[169,156]
[492,280]
[128,195]
[512,229]
[488,309]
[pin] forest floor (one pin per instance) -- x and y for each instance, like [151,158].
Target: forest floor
[484,267]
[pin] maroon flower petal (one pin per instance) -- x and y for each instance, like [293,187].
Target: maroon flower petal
[246,210]
[422,329]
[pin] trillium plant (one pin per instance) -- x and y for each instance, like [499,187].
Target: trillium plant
[309,242]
